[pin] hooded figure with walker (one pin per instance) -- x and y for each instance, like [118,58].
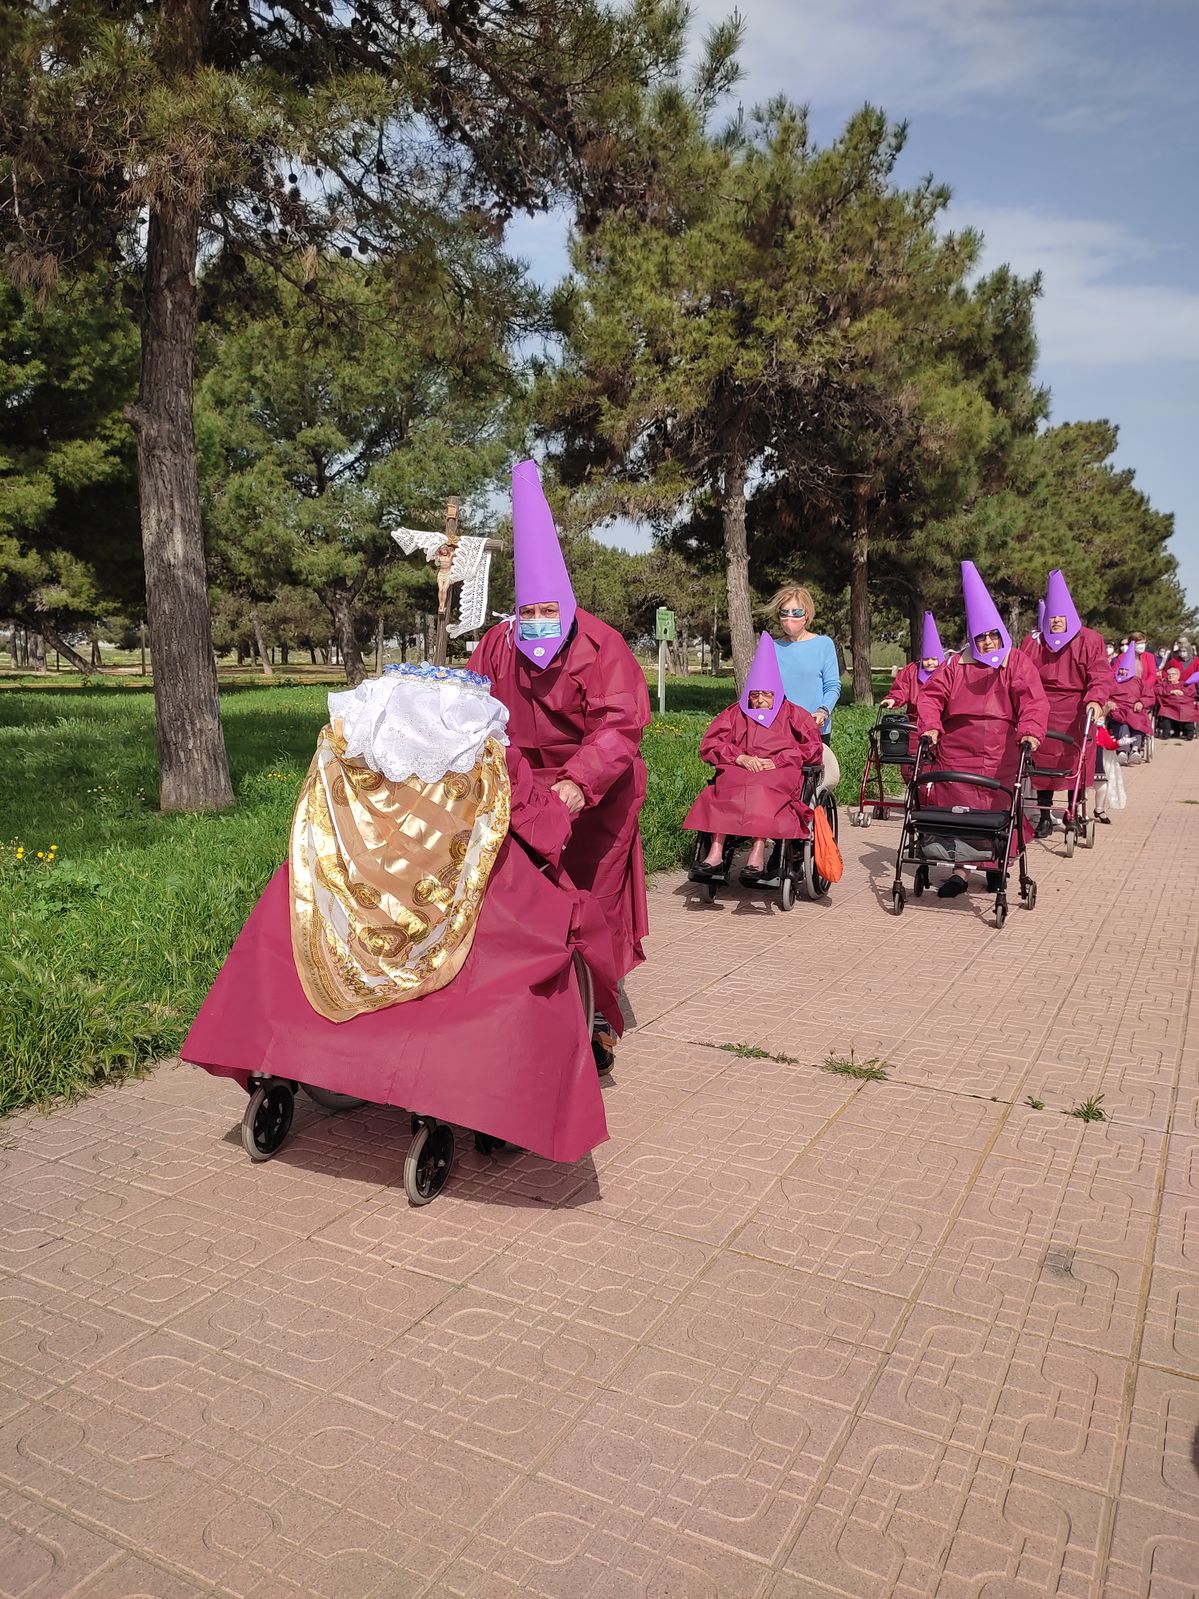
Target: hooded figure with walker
[978,711]
[1078,682]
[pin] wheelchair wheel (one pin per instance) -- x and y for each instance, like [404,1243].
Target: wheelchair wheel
[898,900]
[1030,895]
[427,1164]
[1070,843]
[920,883]
[266,1121]
[1088,833]
[880,813]
[787,891]
[328,1100]
[1000,912]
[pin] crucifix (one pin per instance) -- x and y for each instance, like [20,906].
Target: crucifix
[459,560]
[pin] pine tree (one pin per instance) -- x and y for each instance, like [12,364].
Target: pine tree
[155,134]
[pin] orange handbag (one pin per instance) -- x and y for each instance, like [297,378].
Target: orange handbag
[828,857]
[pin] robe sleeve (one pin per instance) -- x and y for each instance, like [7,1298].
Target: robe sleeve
[720,745]
[904,688]
[1029,698]
[538,818]
[1101,680]
[617,715]
[482,657]
[933,697]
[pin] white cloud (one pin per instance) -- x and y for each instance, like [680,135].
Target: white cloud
[1100,306]
[919,55]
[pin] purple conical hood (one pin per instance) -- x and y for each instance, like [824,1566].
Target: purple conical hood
[982,614]
[540,571]
[1059,603]
[1126,664]
[930,645]
[763,674]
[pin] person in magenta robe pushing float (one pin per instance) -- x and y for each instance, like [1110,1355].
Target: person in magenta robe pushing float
[1075,674]
[978,709]
[759,747]
[578,704]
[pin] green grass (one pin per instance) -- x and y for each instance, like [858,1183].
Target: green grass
[873,1070]
[1090,1110]
[107,951]
[752,1052]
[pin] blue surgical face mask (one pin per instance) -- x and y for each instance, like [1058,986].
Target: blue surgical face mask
[541,627]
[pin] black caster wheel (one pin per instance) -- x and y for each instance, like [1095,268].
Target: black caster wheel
[267,1120]
[430,1157]
[1000,912]
[328,1100]
[1030,896]
[787,892]
[880,814]
[921,881]
[898,899]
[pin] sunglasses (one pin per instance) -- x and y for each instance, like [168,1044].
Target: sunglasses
[783,612]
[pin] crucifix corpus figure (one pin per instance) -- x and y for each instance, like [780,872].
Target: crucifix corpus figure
[458,560]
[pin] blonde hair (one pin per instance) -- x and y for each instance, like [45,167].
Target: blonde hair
[791,591]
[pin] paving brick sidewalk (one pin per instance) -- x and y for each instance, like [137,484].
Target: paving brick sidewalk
[788,1334]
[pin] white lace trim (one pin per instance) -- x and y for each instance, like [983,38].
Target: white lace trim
[406,727]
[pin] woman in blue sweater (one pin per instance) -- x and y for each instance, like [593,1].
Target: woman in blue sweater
[807,661]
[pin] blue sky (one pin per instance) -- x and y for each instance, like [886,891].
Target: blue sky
[1068,131]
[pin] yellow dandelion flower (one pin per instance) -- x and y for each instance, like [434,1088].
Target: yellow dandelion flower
[41,855]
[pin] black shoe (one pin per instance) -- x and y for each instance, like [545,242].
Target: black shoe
[703,871]
[604,1055]
[1102,816]
[994,882]
[1044,826]
[751,876]
[952,887]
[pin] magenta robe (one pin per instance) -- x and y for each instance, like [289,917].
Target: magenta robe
[1073,677]
[1177,702]
[757,804]
[502,1049]
[1125,696]
[582,717]
[905,686]
[981,713]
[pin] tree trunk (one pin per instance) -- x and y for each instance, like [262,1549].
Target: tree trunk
[915,624]
[35,651]
[859,602]
[379,647]
[97,662]
[60,645]
[312,654]
[259,644]
[284,659]
[343,619]
[193,770]
[736,562]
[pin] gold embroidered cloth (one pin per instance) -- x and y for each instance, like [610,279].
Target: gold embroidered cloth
[387,878]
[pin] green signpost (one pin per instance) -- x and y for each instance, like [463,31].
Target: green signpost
[664,629]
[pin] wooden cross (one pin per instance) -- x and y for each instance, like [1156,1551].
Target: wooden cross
[443,561]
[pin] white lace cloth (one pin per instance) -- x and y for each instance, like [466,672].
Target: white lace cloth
[413,727]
